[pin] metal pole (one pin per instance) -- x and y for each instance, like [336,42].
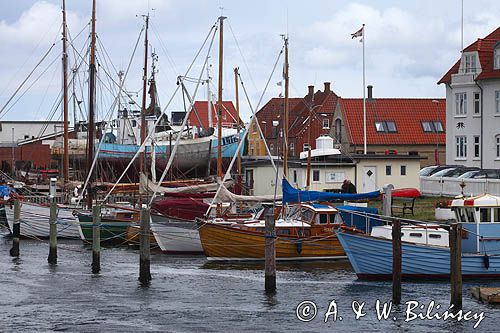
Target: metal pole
[364,94]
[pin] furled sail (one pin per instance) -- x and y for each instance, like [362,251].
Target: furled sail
[291,194]
[153,187]
[227,196]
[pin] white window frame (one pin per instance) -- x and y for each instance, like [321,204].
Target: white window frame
[477,146]
[327,121]
[496,57]
[401,168]
[318,173]
[470,63]
[461,147]
[497,141]
[271,148]
[252,150]
[305,147]
[438,126]
[497,101]
[427,127]
[461,104]
[477,103]
[292,148]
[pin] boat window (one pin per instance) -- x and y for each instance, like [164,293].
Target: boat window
[333,218]
[323,219]
[415,234]
[306,214]
[471,217]
[461,215]
[436,236]
[485,214]
[496,214]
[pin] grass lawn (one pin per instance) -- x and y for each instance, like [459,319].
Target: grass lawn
[424,208]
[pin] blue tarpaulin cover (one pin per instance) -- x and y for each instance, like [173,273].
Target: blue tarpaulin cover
[5,191]
[291,194]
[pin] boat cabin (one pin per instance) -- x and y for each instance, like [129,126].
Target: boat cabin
[420,234]
[480,218]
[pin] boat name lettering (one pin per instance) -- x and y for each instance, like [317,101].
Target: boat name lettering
[229,140]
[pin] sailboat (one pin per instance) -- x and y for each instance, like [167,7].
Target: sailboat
[34,217]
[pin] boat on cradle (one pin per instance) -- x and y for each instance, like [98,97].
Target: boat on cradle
[34,221]
[425,251]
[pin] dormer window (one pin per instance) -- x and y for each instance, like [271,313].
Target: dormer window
[496,57]
[470,63]
[385,126]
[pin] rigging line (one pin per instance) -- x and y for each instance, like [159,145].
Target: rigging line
[28,88]
[162,45]
[214,29]
[245,133]
[27,78]
[242,56]
[184,122]
[105,52]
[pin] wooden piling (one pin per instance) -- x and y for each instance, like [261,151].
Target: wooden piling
[455,238]
[270,254]
[52,259]
[387,200]
[16,229]
[96,239]
[396,262]
[144,248]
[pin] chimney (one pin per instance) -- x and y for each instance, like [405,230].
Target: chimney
[327,87]
[370,91]
[311,90]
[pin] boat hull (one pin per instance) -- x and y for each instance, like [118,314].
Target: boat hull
[225,243]
[176,236]
[371,258]
[111,231]
[34,221]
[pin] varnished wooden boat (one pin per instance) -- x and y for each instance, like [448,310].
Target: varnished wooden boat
[309,235]
[133,236]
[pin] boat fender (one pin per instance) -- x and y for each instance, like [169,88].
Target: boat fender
[298,245]
[486,261]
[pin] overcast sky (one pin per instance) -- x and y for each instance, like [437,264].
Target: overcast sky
[409,45]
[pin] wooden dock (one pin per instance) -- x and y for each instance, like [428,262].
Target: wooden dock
[487,294]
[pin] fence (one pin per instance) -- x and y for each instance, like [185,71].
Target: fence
[445,186]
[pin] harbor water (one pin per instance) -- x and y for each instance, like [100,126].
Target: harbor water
[189,294]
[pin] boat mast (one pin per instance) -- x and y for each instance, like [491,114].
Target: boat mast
[220,174]
[209,100]
[142,159]
[65,95]
[91,120]
[285,127]
[238,162]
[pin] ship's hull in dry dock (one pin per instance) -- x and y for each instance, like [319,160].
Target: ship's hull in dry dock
[35,221]
[226,243]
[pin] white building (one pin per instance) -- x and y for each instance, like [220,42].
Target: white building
[473,105]
[14,131]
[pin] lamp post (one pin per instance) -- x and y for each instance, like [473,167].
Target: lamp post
[436,153]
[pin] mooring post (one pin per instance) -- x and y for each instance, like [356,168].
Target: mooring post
[52,259]
[456,265]
[270,253]
[96,239]
[144,248]
[16,229]
[387,200]
[396,262]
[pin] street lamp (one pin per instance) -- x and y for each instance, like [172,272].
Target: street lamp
[436,153]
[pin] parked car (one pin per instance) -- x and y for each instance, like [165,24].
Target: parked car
[432,169]
[481,174]
[453,172]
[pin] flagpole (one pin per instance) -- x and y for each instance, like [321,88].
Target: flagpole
[364,93]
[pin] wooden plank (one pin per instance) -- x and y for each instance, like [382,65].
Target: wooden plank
[486,294]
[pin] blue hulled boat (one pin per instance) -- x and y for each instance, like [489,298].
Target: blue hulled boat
[371,255]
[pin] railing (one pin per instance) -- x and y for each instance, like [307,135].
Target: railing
[445,186]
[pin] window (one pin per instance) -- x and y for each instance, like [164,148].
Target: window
[292,149]
[496,55]
[497,101]
[461,148]
[432,126]
[470,63]
[477,146]
[498,145]
[477,103]
[323,219]
[385,126]
[388,170]
[252,151]
[461,104]
[403,170]
[134,123]
[305,147]
[434,236]
[326,123]
[315,175]
[415,234]
[295,176]
[338,130]
[271,148]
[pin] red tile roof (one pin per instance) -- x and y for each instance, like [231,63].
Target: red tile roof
[484,47]
[201,107]
[273,110]
[407,113]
